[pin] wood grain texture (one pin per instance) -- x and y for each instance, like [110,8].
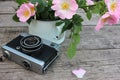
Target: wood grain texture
[100,62]
[7,7]
[98,53]
[97,63]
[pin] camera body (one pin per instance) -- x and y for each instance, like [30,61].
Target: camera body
[31,52]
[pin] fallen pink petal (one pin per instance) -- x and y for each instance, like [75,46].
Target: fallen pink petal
[79,72]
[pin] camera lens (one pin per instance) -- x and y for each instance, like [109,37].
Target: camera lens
[31,41]
[31,44]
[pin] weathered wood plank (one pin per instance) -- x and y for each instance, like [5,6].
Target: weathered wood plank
[107,38]
[89,38]
[83,58]
[7,10]
[97,63]
[6,20]
[7,7]
[98,52]
[8,3]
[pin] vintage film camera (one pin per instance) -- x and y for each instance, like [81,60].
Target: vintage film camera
[31,52]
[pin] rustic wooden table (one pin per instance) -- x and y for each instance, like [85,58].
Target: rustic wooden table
[98,53]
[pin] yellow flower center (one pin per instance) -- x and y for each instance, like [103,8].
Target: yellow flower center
[104,20]
[26,13]
[65,6]
[113,6]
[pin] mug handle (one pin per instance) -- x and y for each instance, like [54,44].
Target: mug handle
[59,28]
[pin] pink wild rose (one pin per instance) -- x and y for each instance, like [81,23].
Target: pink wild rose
[90,2]
[65,8]
[113,6]
[25,11]
[106,1]
[32,8]
[107,18]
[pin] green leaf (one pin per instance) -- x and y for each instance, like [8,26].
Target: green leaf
[81,3]
[77,23]
[15,18]
[29,20]
[76,38]
[44,3]
[45,15]
[51,16]
[50,4]
[34,1]
[77,20]
[73,45]
[94,9]
[21,1]
[77,29]
[103,8]
[89,15]
[59,23]
[71,50]
[40,8]
[68,25]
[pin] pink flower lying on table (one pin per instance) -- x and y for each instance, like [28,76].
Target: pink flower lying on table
[25,11]
[107,18]
[79,72]
[65,8]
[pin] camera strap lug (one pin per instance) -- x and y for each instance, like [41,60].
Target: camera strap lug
[2,58]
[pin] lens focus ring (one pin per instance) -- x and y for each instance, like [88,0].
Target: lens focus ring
[31,43]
